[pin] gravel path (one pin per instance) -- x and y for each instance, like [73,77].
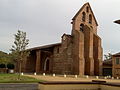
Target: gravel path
[71,78]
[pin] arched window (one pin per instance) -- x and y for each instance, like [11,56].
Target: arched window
[90,19]
[81,27]
[87,9]
[83,16]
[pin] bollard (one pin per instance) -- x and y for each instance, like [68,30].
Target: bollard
[43,74]
[22,73]
[76,76]
[97,77]
[117,77]
[112,78]
[35,73]
[64,75]
[109,76]
[53,75]
[87,76]
[105,77]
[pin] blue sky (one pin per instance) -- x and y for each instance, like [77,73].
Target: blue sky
[46,20]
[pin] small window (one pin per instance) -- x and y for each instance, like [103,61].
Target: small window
[90,19]
[81,27]
[83,16]
[87,9]
[117,61]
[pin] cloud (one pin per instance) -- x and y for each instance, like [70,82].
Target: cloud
[46,20]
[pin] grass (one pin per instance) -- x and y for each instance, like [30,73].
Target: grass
[13,78]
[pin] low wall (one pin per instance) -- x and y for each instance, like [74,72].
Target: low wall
[60,86]
[109,87]
[78,86]
[19,86]
[69,87]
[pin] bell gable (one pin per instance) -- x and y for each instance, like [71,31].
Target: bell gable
[85,16]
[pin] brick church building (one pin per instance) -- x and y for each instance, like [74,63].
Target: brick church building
[79,53]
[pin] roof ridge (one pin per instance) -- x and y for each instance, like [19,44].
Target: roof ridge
[45,46]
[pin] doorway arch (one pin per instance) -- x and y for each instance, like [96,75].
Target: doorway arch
[47,64]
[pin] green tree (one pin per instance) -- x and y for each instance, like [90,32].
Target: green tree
[4,58]
[18,50]
[108,56]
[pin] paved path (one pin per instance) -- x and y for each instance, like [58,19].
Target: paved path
[71,78]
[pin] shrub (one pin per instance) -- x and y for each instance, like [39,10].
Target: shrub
[10,66]
[2,66]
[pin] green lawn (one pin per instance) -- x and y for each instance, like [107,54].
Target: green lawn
[13,78]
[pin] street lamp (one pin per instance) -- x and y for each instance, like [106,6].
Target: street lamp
[117,21]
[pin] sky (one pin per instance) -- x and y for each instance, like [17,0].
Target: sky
[45,21]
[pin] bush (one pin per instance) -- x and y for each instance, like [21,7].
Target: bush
[10,66]
[2,66]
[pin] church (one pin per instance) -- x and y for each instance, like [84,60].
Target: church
[79,53]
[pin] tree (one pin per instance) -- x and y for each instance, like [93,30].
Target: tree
[18,50]
[108,56]
[4,58]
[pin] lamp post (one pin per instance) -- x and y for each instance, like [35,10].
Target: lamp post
[117,21]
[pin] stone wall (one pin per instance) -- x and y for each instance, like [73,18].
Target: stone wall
[19,86]
[97,55]
[57,60]
[115,67]
[78,86]
[63,60]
